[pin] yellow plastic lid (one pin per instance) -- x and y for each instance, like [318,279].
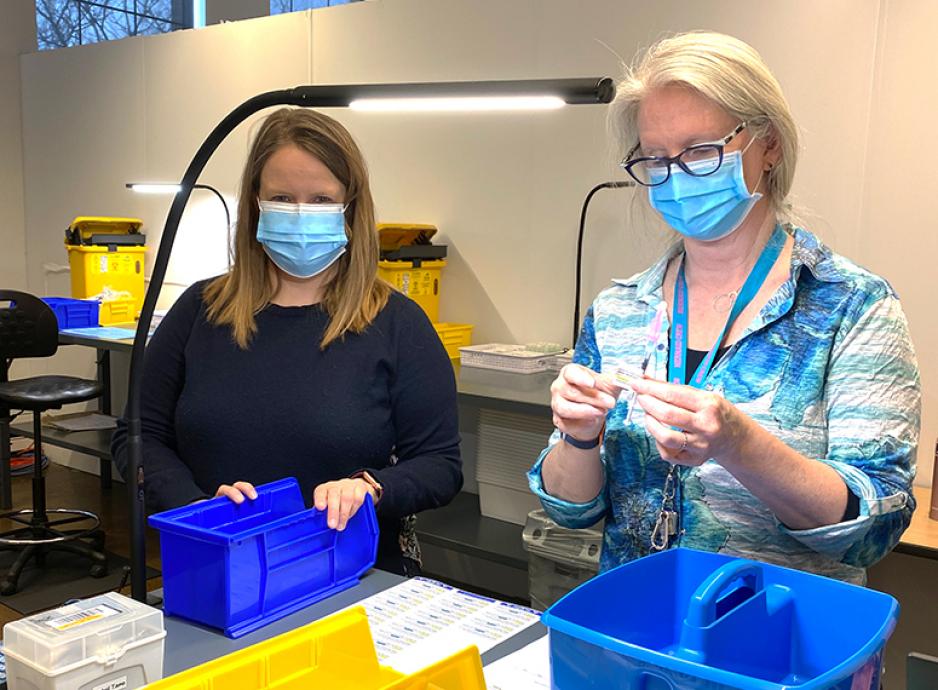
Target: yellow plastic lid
[393,236]
[86,226]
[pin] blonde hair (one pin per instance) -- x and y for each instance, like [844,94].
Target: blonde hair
[731,74]
[355,294]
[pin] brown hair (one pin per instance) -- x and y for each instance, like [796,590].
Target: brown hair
[355,294]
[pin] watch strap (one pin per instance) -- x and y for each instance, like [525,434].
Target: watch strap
[370,481]
[582,445]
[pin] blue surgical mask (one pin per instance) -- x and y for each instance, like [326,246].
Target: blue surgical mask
[709,207]
[302,239]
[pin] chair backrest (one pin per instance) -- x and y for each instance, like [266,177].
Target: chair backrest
[28,327]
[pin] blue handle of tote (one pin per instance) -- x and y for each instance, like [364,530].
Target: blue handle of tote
[702,610]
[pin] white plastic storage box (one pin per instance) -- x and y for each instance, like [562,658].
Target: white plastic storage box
[506,357]
[509,443]
[506,503]
[559,559]
[107,642]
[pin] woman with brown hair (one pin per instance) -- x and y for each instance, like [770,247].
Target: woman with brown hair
[300,361]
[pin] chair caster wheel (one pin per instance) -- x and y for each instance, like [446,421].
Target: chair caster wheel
[7,588]
[98,570]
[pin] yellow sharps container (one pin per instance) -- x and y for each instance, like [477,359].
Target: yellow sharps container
[105,255]
[412,264]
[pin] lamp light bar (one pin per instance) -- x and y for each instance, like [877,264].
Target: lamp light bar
[572,91]
[458,104]
[155,187]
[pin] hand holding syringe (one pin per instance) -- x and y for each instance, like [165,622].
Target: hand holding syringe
[623,377]
[581,397]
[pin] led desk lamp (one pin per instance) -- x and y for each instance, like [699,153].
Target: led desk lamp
[173,188]
[543,94]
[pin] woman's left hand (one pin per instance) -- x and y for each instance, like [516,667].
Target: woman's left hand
[689,425]
[342,498]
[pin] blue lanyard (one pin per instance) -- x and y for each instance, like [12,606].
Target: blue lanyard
[677,365]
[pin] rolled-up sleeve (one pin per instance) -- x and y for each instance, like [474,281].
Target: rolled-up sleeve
[873,400]
[566,513]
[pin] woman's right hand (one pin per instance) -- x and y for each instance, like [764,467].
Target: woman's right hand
[580,400]
[237,492]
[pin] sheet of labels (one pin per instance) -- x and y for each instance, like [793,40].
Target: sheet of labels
[526,669]
[421,621]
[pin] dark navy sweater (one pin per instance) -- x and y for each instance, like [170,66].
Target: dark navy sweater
[382,400]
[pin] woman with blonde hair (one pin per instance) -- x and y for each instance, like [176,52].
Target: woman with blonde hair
[771,404]
[300,361]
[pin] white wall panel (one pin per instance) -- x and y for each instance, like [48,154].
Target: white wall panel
[899,234]
[17,35]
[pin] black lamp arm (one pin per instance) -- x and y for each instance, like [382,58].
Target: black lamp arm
[579,251]
[224,204]
[135,486]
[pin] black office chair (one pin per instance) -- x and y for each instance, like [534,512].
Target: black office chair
[28,328]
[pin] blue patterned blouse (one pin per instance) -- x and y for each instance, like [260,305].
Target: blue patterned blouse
[827,367]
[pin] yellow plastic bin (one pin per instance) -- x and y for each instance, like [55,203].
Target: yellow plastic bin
[335,653]
[117,311]
[412,264]
[106,254]
[454,336]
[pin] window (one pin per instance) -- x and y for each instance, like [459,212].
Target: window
[282,6]
[61,23]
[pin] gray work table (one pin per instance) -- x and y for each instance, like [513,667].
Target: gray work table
[66,338]
[188,644]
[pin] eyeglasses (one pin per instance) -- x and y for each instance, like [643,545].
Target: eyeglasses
[699,160]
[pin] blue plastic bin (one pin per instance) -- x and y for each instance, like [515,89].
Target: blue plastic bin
[74,313]
[689,620]
[240,567]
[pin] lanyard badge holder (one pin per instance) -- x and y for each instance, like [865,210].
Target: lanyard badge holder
[666,524]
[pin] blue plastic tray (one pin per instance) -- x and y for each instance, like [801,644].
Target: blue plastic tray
[74,313]
[685,619]
[240,567]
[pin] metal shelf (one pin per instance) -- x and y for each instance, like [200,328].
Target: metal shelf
[96,443]
[460,526]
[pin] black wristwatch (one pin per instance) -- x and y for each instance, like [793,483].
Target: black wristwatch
[577,443]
